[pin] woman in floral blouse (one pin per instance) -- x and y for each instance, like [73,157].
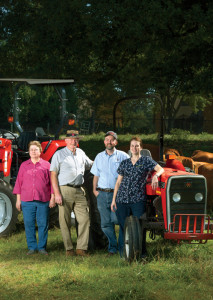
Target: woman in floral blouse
[129,196]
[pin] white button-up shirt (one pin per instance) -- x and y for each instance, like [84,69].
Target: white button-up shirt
[70,167]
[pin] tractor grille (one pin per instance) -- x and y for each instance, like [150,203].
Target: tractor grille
[185,188]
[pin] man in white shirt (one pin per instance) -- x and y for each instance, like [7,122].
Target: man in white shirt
[67,176]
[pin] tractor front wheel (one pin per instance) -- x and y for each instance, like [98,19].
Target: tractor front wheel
[132,239]
[8,211]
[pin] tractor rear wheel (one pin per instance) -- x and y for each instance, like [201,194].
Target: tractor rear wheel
[53,217]
[143,237]
[97,239]
[132,239]
[8,211]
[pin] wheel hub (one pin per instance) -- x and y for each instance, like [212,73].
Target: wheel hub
[5,211]
[127,242]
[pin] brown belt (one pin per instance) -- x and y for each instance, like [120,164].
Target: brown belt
[74,186]
[105,190]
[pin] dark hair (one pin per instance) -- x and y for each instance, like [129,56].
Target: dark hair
[137,139]
[35,143]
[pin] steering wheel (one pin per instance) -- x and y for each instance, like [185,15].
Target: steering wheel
[3,134]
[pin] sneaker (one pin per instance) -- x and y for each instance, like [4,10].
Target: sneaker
[81,252]
[43,252]
[70,252]
[31,251]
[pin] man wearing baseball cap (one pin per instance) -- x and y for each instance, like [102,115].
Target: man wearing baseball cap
[67,176]
[105,174]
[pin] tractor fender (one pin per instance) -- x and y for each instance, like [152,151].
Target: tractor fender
[6,155]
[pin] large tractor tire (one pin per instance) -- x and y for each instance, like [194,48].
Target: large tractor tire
[132,239]
[53,218]
[8,211]
[97,239]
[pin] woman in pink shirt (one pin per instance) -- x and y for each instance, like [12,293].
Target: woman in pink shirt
[35,197]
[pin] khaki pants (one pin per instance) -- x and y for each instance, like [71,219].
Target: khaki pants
[74,200]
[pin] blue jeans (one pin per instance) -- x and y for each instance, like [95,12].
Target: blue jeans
[125,210]
[36,211]
[108,219]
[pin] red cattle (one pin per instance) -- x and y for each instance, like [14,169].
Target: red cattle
[199,155]
[197,165]
[186,161]
[207,171]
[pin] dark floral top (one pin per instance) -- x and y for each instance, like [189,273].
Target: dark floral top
[133,186]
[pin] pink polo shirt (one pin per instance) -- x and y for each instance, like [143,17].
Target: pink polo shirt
[33,181]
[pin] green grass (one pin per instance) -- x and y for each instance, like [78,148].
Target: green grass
[171,272]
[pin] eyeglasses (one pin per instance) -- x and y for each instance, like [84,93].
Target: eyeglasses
[32,150]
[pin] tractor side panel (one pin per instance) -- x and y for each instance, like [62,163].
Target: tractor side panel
[49,150]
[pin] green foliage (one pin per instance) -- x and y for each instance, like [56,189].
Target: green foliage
[109,49]
[40,106]
[137,116]
[179,135]
[197,102]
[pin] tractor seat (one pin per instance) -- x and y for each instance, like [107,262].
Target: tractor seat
[25,138]
[40,131]
[144,152]
[42,136]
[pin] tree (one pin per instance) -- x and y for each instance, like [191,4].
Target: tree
[124,47]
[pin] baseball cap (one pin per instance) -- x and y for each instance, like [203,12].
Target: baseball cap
[112,133]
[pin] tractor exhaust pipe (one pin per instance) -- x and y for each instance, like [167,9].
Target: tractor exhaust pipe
[16,111]
[64,113]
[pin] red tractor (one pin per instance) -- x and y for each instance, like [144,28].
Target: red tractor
[176,210]
[14,150]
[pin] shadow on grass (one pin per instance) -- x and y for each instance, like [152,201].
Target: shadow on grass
[167,250]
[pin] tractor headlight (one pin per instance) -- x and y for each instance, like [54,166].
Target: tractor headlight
[198,197]
[176,197]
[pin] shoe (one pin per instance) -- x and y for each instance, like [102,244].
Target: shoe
[81,252]
[43,252]
[31,251]
[70,252]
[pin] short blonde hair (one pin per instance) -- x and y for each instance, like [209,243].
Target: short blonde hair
[35,143]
